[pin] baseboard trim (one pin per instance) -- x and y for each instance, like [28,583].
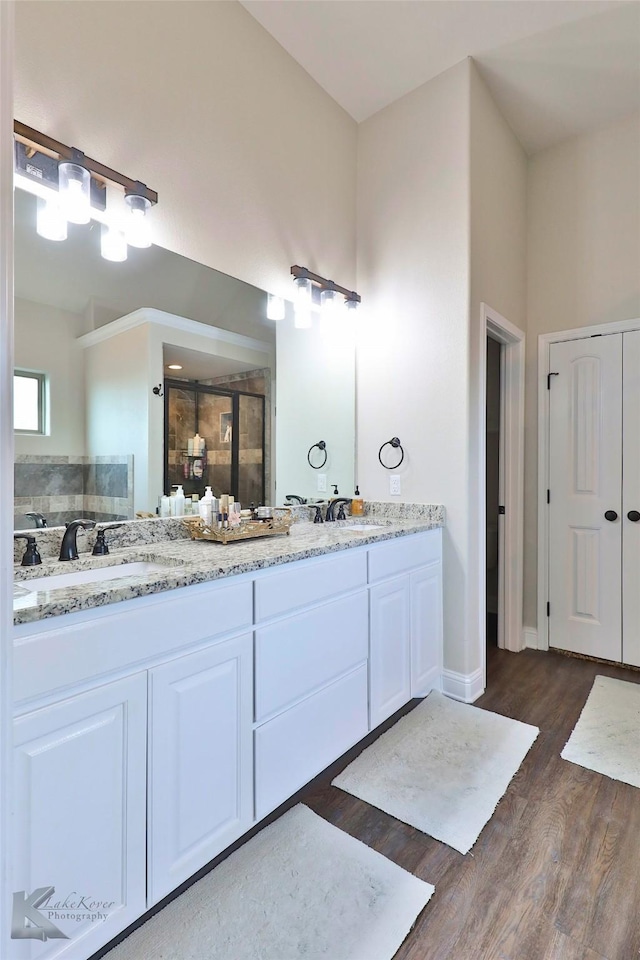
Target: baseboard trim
[530,635]
[466,687]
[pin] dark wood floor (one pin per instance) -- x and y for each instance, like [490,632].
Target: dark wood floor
[555,874]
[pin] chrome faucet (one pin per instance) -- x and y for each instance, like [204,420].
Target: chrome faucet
[333,503]
[69,546]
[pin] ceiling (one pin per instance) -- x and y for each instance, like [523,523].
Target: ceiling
[556,68]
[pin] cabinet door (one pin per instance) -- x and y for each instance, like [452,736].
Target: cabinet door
[200,760]
[390,649]
[80,817]
[426,630]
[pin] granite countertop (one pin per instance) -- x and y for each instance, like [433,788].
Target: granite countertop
[186,562]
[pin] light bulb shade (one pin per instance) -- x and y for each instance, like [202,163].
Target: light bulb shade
[330,302]
[138,228]
[303,292]
[351,304]
[113,244]
[275,307]
[74,190]
[50,222]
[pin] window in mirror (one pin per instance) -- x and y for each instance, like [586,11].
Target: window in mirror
[29,402]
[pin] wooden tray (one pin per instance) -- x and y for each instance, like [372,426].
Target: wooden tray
[248,529]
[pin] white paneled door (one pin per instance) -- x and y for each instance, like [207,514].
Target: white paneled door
[594,541]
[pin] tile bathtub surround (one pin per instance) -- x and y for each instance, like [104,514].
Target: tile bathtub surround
[63,488]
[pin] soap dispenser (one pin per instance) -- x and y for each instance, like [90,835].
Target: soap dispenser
[205,508]
[357,504]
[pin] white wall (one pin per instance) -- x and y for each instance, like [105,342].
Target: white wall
[315,400]
[413,343]
[118,402]
[45,341]
[254,164]
[583,263]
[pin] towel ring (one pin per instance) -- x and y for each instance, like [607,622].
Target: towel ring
[395,443]
[321,445]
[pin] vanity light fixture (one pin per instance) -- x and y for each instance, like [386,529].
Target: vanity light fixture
[137,227]
[50,221]
[303,302]
[73,188]
[275,307]
[318,290]
[113,243]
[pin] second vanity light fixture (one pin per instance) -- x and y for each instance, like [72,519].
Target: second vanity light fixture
[73,188]
[313,291]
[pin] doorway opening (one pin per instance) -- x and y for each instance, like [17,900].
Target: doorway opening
[510,341]
[492,475]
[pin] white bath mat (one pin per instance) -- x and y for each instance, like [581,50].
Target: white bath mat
[441,768]
[299,889]
[606,737]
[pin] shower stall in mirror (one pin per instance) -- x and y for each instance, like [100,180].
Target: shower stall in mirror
[231,425]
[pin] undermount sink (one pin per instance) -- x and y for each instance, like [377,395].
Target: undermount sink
[349,527]
[76,578]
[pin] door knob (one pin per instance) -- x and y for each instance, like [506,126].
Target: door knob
[610,515]
[633,515]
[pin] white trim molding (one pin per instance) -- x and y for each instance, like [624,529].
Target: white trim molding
[463,686]
[151,315]
[511,525]
[531,638]
[544,343]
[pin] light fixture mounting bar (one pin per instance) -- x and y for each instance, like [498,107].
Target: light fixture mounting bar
[305,274]
[46,144]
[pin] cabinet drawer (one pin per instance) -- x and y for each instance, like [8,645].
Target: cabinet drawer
[404,553]
[298,655]
[309,582]
[294,747]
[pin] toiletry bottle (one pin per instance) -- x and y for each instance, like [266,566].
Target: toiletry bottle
[165,506]
[205,507]
[357,504]
[179,502]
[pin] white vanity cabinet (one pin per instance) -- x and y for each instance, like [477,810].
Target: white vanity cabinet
[153,733]
[200,759]
[311,650]
[405,656]
[80,814]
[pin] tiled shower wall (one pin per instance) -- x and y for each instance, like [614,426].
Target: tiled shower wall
[63,488]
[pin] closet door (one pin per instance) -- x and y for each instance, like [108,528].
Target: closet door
[585,508]
[631,500]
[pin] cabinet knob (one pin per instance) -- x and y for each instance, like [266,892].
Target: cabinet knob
[633,515]
[610,515]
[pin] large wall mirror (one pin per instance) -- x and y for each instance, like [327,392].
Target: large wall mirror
[104,335]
